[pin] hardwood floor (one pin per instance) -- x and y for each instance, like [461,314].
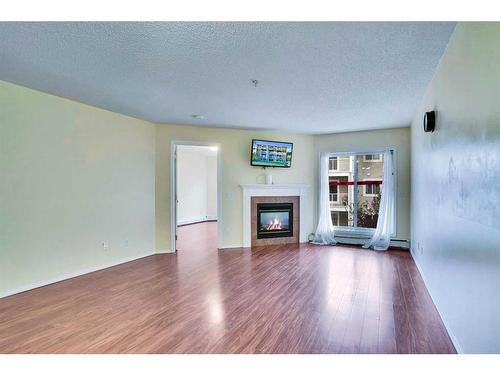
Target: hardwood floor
[277,299]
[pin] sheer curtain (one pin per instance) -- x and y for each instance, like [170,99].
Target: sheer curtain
[324,232]
[382,235]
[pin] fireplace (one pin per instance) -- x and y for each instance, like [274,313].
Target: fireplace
[290,194]
[274,220]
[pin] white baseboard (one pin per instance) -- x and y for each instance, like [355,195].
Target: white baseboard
[453,338]
[195,219]
[25,288]
[190,220]
[237,246]
[164,251]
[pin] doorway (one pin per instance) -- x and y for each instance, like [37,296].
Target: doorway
[196,195]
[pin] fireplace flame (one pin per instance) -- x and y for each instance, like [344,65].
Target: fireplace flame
[275,224]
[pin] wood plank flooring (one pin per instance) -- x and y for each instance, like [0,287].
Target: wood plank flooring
[275,299]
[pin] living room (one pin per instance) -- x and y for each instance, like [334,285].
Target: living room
[249,187]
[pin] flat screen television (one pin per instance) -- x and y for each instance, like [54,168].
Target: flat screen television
[271,153]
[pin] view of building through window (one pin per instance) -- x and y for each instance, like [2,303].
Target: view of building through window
[355,185]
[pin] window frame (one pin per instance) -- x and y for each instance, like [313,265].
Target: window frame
[360,232]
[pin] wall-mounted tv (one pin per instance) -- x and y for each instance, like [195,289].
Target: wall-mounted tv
[271,153]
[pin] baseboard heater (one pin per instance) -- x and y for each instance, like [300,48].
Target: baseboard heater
[361,240]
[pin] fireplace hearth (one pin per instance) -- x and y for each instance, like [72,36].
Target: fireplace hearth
[274,220]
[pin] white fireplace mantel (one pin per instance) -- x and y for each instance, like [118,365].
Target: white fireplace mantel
[273,190]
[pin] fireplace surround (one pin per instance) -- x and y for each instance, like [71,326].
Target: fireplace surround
[276,193]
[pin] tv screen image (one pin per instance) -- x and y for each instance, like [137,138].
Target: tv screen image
[271,153]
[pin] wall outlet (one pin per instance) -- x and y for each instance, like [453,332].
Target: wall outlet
[125,243]
[105,245]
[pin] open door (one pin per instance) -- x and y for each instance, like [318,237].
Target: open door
[190,203]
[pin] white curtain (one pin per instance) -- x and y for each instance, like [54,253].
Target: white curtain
[382,235]
[324,232]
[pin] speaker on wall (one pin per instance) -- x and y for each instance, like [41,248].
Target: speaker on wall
[429,121]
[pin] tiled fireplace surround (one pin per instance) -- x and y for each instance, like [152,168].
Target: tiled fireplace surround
[276,193]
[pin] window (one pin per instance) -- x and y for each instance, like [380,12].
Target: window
[334,191]
[334,197]
[335,218]
[372,157]
[355,190]
[372,189]
[334,163]
[339,218]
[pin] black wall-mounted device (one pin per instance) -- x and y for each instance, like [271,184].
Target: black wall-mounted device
[429,121]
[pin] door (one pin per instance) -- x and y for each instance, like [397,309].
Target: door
[176,200]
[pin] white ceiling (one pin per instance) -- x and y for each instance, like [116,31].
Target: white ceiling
[314,77]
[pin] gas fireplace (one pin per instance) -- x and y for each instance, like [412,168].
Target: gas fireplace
[274,220]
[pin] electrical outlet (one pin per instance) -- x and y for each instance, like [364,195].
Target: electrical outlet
[105,245]
[126,243]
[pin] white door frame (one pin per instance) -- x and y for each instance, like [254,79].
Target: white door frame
[173,188]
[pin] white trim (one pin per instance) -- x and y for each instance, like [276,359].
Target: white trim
[264,190]
[190,220]
[196,219]
[453,338]
[71,275]
[173,189]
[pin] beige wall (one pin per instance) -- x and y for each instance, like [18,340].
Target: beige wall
[456,184]
[399,139]
[72,177]
[235,163]
[75,176]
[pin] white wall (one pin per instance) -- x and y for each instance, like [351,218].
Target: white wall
[456,188]
[72,177]
[212,187]
[196,184]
